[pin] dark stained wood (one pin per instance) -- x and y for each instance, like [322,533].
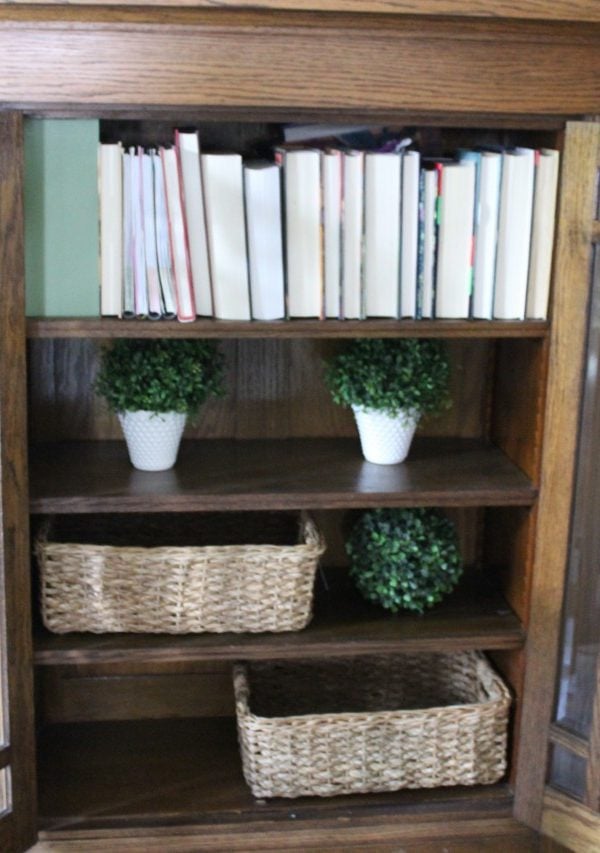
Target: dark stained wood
[508,546]
[581,157]
[134,692]
[560,10]
[285,474]
[17,830]
[473,617]
[202,328]
[95,775]
[108,57]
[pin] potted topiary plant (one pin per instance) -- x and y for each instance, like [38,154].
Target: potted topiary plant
[389,383]
[404,559]
[153,385]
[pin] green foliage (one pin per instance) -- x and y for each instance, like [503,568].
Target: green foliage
[390,375]
[159,375]
[404,559]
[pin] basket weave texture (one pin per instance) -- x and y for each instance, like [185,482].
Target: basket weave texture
[370,724]
[181,589]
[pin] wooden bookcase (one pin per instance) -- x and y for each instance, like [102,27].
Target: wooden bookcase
[133,735]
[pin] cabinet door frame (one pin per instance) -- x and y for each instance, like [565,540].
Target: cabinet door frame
[572,265]
[17,753]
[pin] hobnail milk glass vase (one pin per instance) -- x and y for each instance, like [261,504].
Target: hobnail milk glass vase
[385,439]
[152,439]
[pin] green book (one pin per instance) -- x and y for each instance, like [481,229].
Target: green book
[61,218]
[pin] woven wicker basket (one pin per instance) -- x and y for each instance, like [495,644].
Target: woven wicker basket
[370,724]
[171,579]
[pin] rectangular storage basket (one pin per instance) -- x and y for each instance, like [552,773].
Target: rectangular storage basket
[370,724]
[178,574]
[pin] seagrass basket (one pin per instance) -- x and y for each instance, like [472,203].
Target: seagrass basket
[370,724]
[183,573]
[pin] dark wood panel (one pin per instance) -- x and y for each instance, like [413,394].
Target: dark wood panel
[285,474]
[148,772]
[201,328]
[129,692]
[261,59]
[16,691]
[473,617]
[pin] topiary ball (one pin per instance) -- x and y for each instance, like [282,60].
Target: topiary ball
[404,559]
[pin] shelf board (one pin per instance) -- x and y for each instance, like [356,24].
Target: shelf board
[208,328]
[145,773]
[215,474]
[473,617]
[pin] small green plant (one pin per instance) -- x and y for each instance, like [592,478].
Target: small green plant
[159,374]
[391,375]
[404,559]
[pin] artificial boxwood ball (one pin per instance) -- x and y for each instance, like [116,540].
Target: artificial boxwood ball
[404,559]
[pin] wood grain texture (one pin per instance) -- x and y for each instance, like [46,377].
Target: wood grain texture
[284,474]
[17,831]
[262,60]
[560,10]
[201,328]
[474,616]
[569,823]
[572,270]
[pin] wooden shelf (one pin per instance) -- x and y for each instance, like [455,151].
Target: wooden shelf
[473,617]
[207,328]
[96,476]
[99,775]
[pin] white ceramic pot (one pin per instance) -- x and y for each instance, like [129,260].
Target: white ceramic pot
[152,439]
[384,439]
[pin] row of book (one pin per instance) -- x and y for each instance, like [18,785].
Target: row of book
[330,233]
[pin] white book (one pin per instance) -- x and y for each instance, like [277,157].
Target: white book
[410,233]
[514,234]
[486,234]
[163,241]
[304,253]
[110,185]
[222,179]
[352,234]
[140,283]
[179,250]
[149,217]
[188,148]
[331,174]
[542,233]
[429,241]
[382,234]
[262,188]
[128,235]
[455,240]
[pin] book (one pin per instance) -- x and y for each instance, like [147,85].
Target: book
[182,273]
[140,284]
[187,145]
[223,184]
[331,174]
[410,233]
[163,242]
[262,190]
[514,234]
[382,234]
[155,307]
[128,235]
[304,253]
[427,288]
[352,233]
[110,189]
[542,233]
[62,213]
[456,191]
